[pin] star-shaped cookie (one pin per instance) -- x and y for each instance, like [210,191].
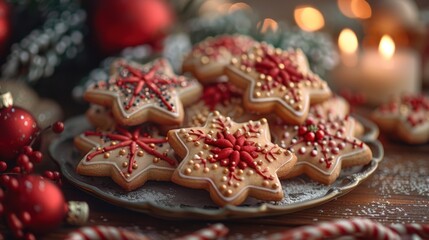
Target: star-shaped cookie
[140,93]
[129,157]
[222,97]
[208,58]
[277,80]
[406,118]
[323,147]
[230,160]
[334,107]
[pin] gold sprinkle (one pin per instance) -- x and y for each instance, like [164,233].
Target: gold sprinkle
[99,148]
[200,153]
[196,144]
[196,166]
[222,187]
[106,155]
[224,179]
[182,130]
[229,192]
[206,146]
[257,94]
[135,166]
[240,172]
[269,78]
[262,76]
[152,145]
[140,153]
[216,113]
[281,66]
[189,139]
[122,152]
[260,162]
[205,60]
[298,107]
[113,143]
[236,185]
[265,183]
[250,172]
[214,166]
[206,170]
[275,185]
[234,61]
[188,171]
[127,175]
[263,121]
[225,170]
[156,160]
[125,164]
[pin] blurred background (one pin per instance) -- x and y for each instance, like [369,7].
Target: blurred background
[361,47]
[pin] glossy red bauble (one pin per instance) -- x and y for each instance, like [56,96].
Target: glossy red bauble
[36,202]
[122,23]
[18,128]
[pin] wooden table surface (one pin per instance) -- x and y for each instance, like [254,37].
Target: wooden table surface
[398,192]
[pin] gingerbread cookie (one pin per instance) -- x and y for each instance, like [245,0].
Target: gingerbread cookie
[208,58]
[140,93]
[222,97]
[230,160]
[100,117]
[129,157]
[323,146]
[406,118]
[277,80]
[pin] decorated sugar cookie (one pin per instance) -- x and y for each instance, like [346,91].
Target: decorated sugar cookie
[323,146]
[222,97]
[277,80]
[406,118]
[230,160]
[208,58]
[129,157]
[334,107]
[100,117]
[140,93]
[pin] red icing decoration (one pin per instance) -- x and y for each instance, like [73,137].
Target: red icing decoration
[318,133]
[282,68]
[130,139]
[219,93]
[235,150]
[415,104]
[236,45]
[145,85]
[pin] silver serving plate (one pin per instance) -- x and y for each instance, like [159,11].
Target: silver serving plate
[166,199]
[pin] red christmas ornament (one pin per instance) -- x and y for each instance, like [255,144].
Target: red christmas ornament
[120,24]
[18,128]
[34,205]
[4,24]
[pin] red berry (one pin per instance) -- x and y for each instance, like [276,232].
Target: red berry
[309,137]
[58,127]
[37,156]
[28,167]
[320,134]
[16,170]
[4,179]
[13,184]
[29,236]
[49,175]
[3,166]
[22,159]
[25,217]
[309,121]
[302,130]
[56,175]
[27,150]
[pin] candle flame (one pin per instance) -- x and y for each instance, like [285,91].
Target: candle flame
[308,18]
[386,47]
[268,24]
[347,41]
[355,8]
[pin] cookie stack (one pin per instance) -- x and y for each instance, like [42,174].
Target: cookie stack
[261,116]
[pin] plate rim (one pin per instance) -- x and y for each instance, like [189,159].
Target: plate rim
[229,211]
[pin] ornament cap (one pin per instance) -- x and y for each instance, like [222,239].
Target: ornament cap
[6,100]
[78,213]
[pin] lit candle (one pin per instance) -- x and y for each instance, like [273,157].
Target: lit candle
[348,44]
[387,72]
